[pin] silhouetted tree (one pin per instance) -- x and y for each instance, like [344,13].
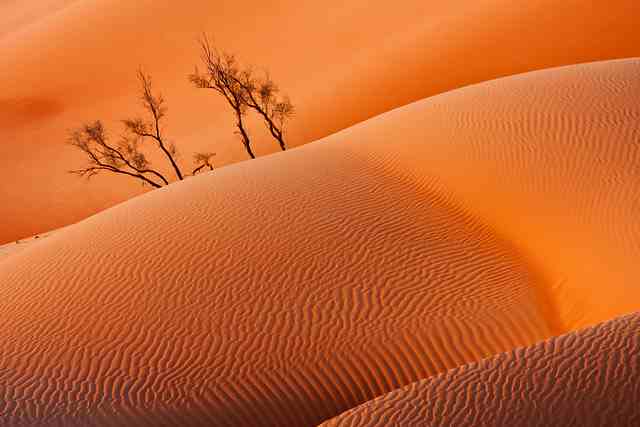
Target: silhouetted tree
[125,157]
[140,129]
[223,75]
[243,91]
[261,95]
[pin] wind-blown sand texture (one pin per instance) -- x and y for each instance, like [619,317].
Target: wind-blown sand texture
[586,378]
[289,289]
[65,62]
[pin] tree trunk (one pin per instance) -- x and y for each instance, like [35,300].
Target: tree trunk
[245,137]
[248,148]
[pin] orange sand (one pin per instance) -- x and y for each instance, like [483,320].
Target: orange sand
[64,62]
[289,289]
[587,378]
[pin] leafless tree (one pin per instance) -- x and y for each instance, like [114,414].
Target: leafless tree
[223,75]
[261,95]
[125,157]
[156,109]
[243,91]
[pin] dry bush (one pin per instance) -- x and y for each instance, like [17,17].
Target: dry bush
[126,157]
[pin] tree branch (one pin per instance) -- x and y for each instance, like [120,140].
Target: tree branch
[220,74]
[91,140]
[154,105]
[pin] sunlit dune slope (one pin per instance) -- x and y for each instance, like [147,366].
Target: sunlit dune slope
[65,62]
[586,378]
[286,290]
[551,161]
[9,249]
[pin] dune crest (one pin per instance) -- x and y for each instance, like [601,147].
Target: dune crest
[286,290]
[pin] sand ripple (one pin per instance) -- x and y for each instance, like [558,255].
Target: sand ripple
[287,290]
[586,378]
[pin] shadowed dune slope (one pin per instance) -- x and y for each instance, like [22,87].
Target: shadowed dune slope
[341,62]
[586,378]
[286,290]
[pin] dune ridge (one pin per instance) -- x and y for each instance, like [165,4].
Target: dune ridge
[289,289]
[585,378]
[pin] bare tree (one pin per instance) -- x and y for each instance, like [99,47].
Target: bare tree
[126,157]
[138,128]
[243,91]
[261,95]
[223,75]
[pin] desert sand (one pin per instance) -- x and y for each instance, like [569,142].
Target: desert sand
[21,244]
[65,62]
[292,288]
[587,378]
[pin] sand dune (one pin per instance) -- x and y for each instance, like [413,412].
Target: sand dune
[65,62]
[231,310]
[286,290]
[16,15]
[549,160]
[587,378]
[19,245]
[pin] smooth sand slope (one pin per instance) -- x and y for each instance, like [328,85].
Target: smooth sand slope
[65,62]
[286,290]
[14,247]
[586,378]
[16,15]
